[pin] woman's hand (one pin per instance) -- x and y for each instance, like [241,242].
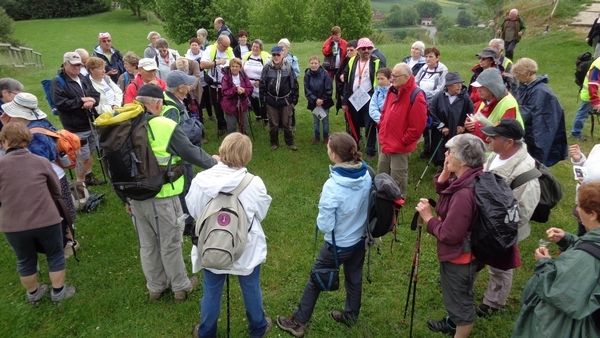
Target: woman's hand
[555,234]
[541,252]
[319,102]
[575,152]
[424,209]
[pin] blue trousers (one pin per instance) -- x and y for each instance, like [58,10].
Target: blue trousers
[317,129]
[210,304]
[582,114]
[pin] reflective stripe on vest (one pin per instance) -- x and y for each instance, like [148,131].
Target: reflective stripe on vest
[351,73]
[506,63]
[159,135]
[500,109]
[584,95]
[168,105]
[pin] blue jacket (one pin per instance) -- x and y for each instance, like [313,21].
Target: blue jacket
[343,204]
[376,104]
[544,120]
[42,145]
[318,85]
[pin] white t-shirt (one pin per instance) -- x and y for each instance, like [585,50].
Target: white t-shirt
[217,72]
[362,76]
[243,49]
[253,68]
[497,162]
[236,80]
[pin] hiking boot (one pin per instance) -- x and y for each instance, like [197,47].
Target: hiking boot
[274,147]
[269,326]
[290,325]
[181,296]
[340,317]
[293,147]
[37,296]
[153,296]
[485,311]
[445,325]
[68,291]
[90,179]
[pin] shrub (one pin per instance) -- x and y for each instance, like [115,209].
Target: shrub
[44,9]
[471,35]
[6,26]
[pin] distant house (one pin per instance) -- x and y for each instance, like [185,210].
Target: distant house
[378,16]
[426,22]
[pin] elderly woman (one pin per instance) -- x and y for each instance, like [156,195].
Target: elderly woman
[30,223]
[236,89]
[288,56]
[151,51]
[253,64]
[456,210]
[192,101]
[416,59]
[343,218]
[166,58]
[431,78]
[202,36]
[561,299]
[9,87]
[235,153]
[542,114]
[111,96]
[130,61]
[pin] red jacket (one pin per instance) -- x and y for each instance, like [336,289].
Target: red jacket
[401,124]
[135,85]
[327,47]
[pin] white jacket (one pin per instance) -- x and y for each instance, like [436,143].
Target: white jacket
[206,185]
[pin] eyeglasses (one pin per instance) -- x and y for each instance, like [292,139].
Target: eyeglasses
[365,48]
[106,40]
[398,75]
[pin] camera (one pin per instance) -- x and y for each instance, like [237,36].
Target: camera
[578,172]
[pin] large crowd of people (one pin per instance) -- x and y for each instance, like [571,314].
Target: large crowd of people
[506,120]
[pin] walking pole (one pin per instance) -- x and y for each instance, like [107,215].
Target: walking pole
[97,145]
[228,310]
[429,162]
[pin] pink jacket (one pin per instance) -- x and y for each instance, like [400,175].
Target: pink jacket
[230,98]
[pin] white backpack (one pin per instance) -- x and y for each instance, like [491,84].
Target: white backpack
[223,228]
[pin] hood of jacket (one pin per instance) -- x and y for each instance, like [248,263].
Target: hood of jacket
[466,180]
[349,174]
[319,72]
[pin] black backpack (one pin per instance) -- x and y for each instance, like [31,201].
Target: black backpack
[582,65]
[494,230]
[133,168]
[550,190]
[385,199]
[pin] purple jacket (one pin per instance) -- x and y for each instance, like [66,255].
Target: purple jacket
[230,99]
[456,209]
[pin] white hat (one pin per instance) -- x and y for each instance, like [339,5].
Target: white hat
[148,64]
[72,57]
[24,105]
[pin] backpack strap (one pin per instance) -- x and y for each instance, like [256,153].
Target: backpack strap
[40,130]
[524,178]
[590,248]
[243,184]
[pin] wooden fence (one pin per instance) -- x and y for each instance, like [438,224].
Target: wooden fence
[19,56]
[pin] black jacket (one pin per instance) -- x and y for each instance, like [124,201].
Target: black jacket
[237,52]
[349,77]
[232,40]
[318,85]
[115,62]
[278,96]
[67,98]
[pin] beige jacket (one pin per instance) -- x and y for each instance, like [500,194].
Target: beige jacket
[528,194]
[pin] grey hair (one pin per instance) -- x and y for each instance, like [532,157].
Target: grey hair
[284,42]
[10,84]
[259,43]
[468,149]
[222,37]
[420,46]
[162,43]
[147,99]
[202,32]
[497,42]
[82,52]
[151,34]
[404,67]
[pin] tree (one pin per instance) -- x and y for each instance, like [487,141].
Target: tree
[402,16]
[43,9]
[275,19]
[234,12]
[138,6]
[6,26]
[428,9]
[464,19]
[353,16]
[442,23]
[182,18]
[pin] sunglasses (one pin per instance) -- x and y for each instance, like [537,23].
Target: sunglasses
[276,54]
[365,48]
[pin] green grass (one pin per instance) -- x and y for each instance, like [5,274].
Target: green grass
[449,8]
[111,299]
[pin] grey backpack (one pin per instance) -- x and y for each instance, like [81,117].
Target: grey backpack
[223,228]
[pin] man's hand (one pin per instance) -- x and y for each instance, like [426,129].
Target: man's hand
[445,131]
[469,124]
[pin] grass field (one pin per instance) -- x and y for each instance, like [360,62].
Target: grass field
[449,8]
[112,300]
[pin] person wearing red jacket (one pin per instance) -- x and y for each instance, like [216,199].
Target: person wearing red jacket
[146,75]
[401,125]
[334,51]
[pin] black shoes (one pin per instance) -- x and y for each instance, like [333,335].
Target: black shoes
[339,317]
[90,180]
[445,325]
[485,311]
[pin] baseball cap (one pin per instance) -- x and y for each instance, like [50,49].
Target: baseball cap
[148,64]
[72,57]
[177,78]
[276,50]
[151,90]
[509,128]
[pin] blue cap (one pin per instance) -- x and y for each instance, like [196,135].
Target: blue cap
[276,50]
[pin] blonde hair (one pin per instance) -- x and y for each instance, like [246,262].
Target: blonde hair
[236,150]
[235,61]
[94,62]
[525,66]
[314,57]
[182,64]
[15,134]
[131,58]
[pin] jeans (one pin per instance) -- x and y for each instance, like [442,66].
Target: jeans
[210,304]
[317,125]
[582,113]
[352,259]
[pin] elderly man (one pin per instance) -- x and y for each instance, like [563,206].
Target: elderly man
[75,98]
[402,122]
[222,29]
[509,160]
[214,59]
[511,31]
[85,56]
[360,81]
[111,56]
[9,88]
[496,103]
[498,45]
[279,90]
[155,219]
[147,69]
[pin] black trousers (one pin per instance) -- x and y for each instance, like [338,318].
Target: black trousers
[215,98]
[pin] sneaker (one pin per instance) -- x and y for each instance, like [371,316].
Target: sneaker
[339,317]
[274,147]
[484,310]
[181,296]
[269,326]
[445,325]
[68,291]
[37,296]
[293,147]
[290,325]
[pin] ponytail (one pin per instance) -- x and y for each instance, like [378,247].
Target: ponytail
[345,147]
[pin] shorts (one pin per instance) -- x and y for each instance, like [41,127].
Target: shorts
[26,245]
[457,289]
[86,139]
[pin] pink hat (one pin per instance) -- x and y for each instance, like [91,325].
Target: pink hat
[105,35]
[364,43]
